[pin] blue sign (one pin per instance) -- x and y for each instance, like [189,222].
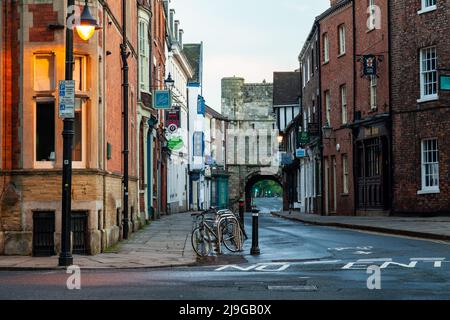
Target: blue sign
[162,99]
[444,81]
[286,158]
[198,146]
[300,153]
[66,103]
[201,105]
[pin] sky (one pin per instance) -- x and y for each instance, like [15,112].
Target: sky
[246,38]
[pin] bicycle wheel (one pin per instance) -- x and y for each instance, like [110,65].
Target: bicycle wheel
[232,236]
[201,241]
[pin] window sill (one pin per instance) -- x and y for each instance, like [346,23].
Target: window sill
[341,55]
[370,30]
[44,165]
[428,98]
[345,194]
[428,9]
[429,191]
[325,62]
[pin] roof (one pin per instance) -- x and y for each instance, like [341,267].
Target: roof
[286,88]
[339,4]
[214,113]
[193,53]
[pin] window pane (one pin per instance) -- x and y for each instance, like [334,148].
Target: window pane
[78,73]
[45,131]
[77,154]
[44,69]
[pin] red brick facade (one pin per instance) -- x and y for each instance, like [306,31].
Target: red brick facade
[337,72]
[414,120]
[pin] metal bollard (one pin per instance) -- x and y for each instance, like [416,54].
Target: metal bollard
[241,212]
[255,248]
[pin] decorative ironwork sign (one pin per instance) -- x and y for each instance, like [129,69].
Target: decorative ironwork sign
[370,65]
[173,117]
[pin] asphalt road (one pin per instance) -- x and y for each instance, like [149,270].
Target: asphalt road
[297,261]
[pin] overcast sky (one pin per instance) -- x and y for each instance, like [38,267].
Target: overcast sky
[246,38]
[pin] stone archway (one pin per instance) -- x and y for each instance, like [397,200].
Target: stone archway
[251,180]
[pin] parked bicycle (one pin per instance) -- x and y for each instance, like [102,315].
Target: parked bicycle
[216,227]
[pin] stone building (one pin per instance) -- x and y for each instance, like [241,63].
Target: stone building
[420,54]
[252,147]
[33,60]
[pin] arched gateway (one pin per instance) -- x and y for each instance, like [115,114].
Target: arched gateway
[253,179]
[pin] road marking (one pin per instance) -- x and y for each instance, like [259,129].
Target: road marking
[266,267]
[293,288]
[321,262]
[362,252]
[366,248]
[386,262]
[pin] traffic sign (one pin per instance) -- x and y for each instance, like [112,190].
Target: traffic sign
[66,99]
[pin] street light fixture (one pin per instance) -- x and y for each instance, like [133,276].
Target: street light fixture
[88,24]
[65,256]
[169,82]
[280,139]
[327,131]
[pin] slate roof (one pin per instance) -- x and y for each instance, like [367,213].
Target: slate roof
[193,53]
[286,88]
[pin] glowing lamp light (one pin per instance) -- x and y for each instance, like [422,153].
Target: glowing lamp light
[85,32]
[280,139]
[88,24]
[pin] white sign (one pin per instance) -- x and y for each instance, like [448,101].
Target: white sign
[67,99]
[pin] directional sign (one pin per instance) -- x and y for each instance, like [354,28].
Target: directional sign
[66,99]
[162,99]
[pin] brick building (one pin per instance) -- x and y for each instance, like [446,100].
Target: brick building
[336,82]
[371,123]
[33,61]
[420,49]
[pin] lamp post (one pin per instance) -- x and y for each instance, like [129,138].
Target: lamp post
[87,27]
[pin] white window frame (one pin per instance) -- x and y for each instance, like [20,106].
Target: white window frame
[308,75]
[372,15]
[427,8]
[341,35]
[343,93]
[345,174]
[373,92]
[144,55]
[82,164]
[423,96]
[428,189]
[328,107]
[326,48]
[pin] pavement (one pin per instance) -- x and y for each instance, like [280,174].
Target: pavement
[435,228]
[163,243]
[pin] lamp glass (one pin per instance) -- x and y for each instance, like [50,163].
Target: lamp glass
[280,139]
[85,32]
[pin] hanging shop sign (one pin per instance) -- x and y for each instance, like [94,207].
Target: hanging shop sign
[198,144]
[303,137]
[162,99]
[173,122]
[300,153]
[201,105]
[175,143]
[444,82]
[370,65]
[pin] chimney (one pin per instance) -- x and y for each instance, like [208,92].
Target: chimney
[176,31]
[171,23]
[180,39]
[333,2]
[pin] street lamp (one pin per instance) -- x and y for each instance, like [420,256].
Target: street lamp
[65,256]
[88,24]
[280,139]
[169,82]
[327,131]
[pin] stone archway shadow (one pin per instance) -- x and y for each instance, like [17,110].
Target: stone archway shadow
[253,179]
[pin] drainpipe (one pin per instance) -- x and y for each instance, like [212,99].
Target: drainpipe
[390,121]
[354,104]
[319,109]
[125,85]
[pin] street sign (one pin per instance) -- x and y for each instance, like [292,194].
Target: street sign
[444,81]
[66,103]
[172,128]
[162,99]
